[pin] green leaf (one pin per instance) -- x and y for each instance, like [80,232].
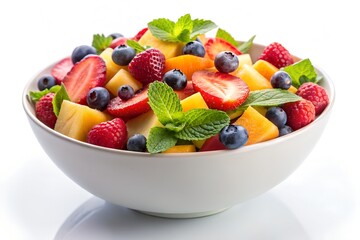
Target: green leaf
[202,123]
[160,139]
[221,33]
[100,42]
[59,97]
[162,28]
[35,96]
[184,36]
[201,26]
[245,47]
[164,102]
[184,23]
[301,72]
[135,45]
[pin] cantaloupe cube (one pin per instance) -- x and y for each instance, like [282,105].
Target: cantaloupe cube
[181,149]
[76,120]
[193,101]
[122,77]
[111,67]
[253,78]
[259,128]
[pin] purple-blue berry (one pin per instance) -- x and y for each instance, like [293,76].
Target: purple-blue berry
[226,62]
[281,80]
[98,98]
[233,136]
[176,79]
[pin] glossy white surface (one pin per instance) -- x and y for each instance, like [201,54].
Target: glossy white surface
[320,200]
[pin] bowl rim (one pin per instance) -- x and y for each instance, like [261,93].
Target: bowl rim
[27,103]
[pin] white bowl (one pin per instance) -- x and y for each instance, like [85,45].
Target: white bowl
[184,184]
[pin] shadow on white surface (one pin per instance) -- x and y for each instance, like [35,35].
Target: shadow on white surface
[262,218]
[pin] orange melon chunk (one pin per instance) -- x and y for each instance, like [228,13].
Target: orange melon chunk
[253,78]
[181,149]
[259,128]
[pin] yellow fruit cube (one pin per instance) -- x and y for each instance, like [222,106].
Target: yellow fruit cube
[111,67]
[181,149]
[193,101]
[243,59]
[142,124]
[122,77]
[253,78]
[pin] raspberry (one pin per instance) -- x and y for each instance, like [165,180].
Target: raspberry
[315,94]
[111,134]
[277,55]
[44,110]
[299,114]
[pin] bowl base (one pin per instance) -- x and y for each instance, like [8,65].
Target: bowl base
[183,215]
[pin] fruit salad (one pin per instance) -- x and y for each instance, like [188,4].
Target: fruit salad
[173,88]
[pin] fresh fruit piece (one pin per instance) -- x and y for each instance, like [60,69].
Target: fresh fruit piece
[85,75]
[233,136]
[216,45]
[285,130]
[147,66]
[76,120]
[62,68]
[80,52]
[299,114]
[212,144]
[243,59]
[277,55]
[46,82]
[129,108]
[98,98]
[122,55]
[195,48]
[117,42]
[139,34]
[142,124]
[126,92]
[188,64]
[220,90]
[111,67]
[110,134]
[315,94]
[44,110]
[186,92]
[259,128]
[115,35]
[136,143]
[122,77]
[226,62]
[281,80]
[194,101]
[176,79]
[277,116]
[169,49]
[253,79]
[181,149]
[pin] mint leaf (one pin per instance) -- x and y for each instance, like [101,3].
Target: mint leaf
[162,28]
[201,26]
[301,72]
[221,33]
[135,45]
[35,96]
[160,139]
[164,102]
[59,97]
[184,23]
[202,123]
[100,42]
[245,46]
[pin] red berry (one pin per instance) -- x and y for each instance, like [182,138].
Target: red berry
[148,66]
[44,110]
[277,55]
[61,68]
[140,34]
[216,45]
[315,94]
[213,143]
[299,114]
[111,134]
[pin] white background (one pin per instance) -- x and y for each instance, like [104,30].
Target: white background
[319,201]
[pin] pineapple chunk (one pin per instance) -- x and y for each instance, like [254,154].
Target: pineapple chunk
[122,77]
[181,149]
[253,78]
[142,124]
[193,101]
[111,67]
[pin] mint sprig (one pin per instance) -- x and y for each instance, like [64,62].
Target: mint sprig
[243,47]
[301,72]
[195,124]
[135,45]
[35,96]
[100,42]
[184,30]
[59,97]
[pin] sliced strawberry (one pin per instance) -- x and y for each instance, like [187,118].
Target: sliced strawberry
[85,75]
[186,92]
[118,41]
[139,34]
[220,91]
[213,143]
[215,45]
[133,107]
[60,69]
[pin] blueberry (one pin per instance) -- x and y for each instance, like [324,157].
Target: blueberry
[281,79]
[46,82]
[285,130]
[194,48]
[233,136]
[98,98]
[277,116]
[80,52]
[126,92]
[116,35]
[176,79]
[136,143]
[226,62]
[123,54]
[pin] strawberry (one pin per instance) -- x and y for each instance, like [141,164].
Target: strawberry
[277,55]
[44,110]
[220,90]
[186,92]
[139,34]
[61,68]
[111,134]
[299,114]
[90,72]
[133,107]
[147,66]
[213,143]
[315,94]
[118,41]
[216,45]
